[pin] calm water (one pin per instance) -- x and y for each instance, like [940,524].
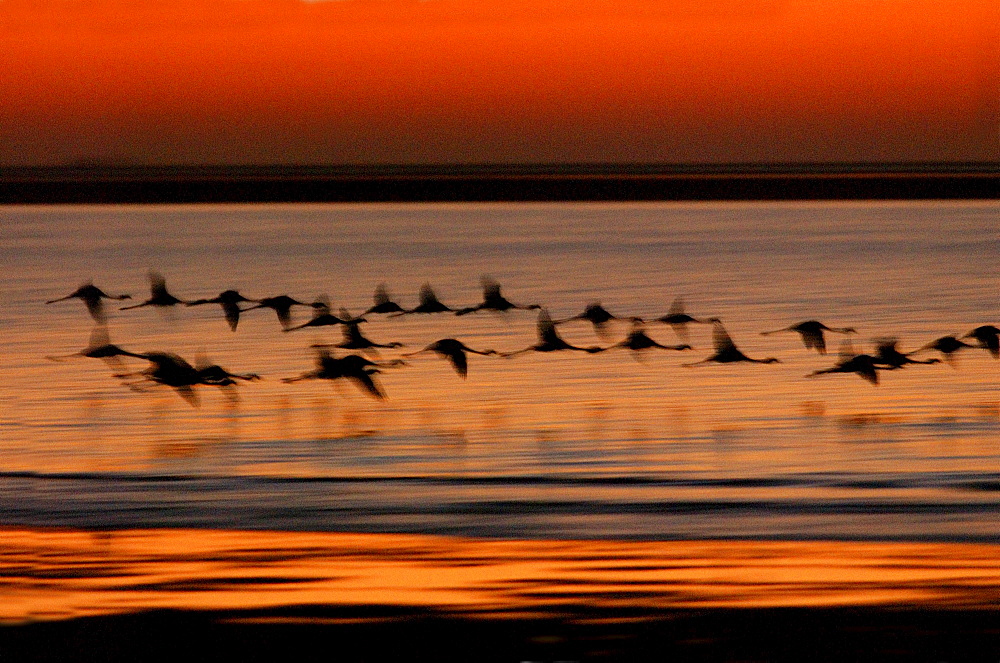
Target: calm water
[562,445]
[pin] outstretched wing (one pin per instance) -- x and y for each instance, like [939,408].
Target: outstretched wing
[721,339]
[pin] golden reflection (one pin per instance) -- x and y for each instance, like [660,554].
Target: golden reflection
[58,574]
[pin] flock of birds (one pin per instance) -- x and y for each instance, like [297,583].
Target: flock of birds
[166,368]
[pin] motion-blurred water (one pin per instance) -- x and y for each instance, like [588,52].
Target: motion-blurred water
[561,445]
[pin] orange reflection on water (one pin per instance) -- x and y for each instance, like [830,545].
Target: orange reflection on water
[61,574]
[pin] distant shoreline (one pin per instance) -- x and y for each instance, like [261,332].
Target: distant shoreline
[87,184]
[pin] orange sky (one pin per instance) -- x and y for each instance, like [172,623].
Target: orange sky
[460,81]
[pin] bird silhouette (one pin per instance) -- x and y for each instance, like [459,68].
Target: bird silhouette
[355,368]
[549,340]
[679,320]
[812,333]
[888,356]
[101,347]
[948,346]
[383,302]
[322,317]
[429,303]
[170,369]
[230,301]
[454,351]
[596,315]
[988,337]
[726,351]
[852,362]
[92,296]
[354,339]
[637,340]
[281,305]
[158,293]
[494,301]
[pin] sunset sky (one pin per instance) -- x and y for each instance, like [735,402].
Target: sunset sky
[498,81]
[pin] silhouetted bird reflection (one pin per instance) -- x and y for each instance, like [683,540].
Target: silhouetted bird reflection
[429,303]
[159,296]
[493,300]
[812,333]
[679,320]
[852,362]
[355,368]
[549,340]
[726,351]
[322,317]
[383,302]
[988,337]
[454,351]
[91,295]
[888,356]
[101,347]
[281,305]
[230,301]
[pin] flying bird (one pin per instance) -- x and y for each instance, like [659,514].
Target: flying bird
[493,300]
[354,339]
[887,355]
[429,303]
[383,302]
[812,333]
[281,305]
[595,314]
[454,351]
[726,351]
[355,368]
[230,301]
[679,320]
[947,346]
[549,340]
[322,317]
[852,362]
[158,294]
[101,347]
[637,340]
[92,296]
[988,337]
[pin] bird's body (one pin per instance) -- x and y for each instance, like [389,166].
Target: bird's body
[352,367]
[158,294]
[726,351]
[947,346]
[494,301]
[988,337]
[383,302]
[863,365]
[101,347]
[455,352]
[281,305]
[596,315]
[354,339]
[888,356]
[230,301]
[92,297]
[170,369]
[322,317]
[549,340]
[429,303]
[811,332]
[679,320]
[638,340]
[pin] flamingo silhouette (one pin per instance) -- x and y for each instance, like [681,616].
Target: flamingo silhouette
[230,301]
[549,340]
[679,320]
[726,351]
[454,351]
[322,317]
[355,368]
[281,305]
[91,295]
[812,333]
[493,300]
[947,346]
[158,294]
[988,337]
[887,355]
[101,347]
[638,341]
[383,302]
[429,303]
[852,362]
